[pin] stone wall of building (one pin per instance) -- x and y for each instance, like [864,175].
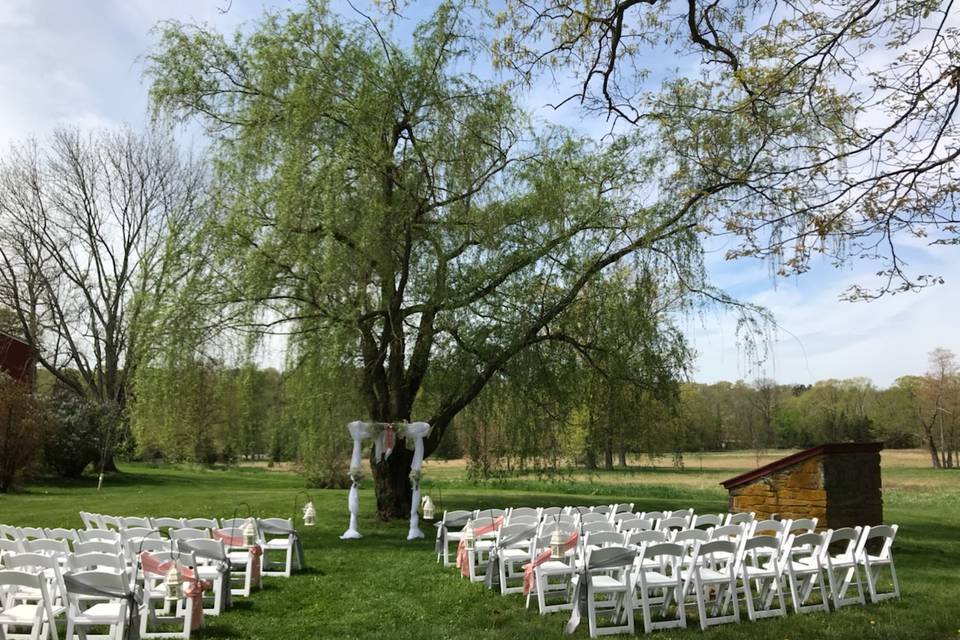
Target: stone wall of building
[837,483]
[795,492]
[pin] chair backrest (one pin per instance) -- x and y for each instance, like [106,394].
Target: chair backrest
[761,552]
[226,523]
[17,578]
[723,554]
[652,515]
[526,520]
[130,522]
[604,539]
[10,532]
[605,509]
[887,533]
[188,533]
[11,546]
[622,507]
[587,518]
[596,527]
[47,545]
[740,518]
[803,525]
[666,556]
[137,545]
[205,548]
[456,519]
[492,513]
[707,520]
[97,561]
[205,523]
[690,536]
[32,533]
[279,523]
[550,511]
[565,526]
[89,520]
[98,534]
[111,522]
[669,524]
[601,558]
[679,513]
[770,527]
[165,522]
[98,546]
[637,524]
[639,538]
[524,511]
[840,542]
[508,531]
[806,546]
[59,533]
[727,532]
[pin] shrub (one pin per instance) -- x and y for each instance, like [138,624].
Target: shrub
[75,435]
[24,425]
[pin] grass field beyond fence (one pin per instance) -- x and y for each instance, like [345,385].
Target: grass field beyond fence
[385,587]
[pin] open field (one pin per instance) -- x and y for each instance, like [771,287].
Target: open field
[385,587]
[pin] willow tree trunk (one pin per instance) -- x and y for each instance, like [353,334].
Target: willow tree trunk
[392,482]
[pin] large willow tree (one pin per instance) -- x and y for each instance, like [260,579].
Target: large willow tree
[399,215]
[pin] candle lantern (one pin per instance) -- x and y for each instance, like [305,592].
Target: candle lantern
[428,508]
[469,538]
[309,514]
[171,584]
[249,533]
[556,545]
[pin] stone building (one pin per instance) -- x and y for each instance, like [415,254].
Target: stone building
[838,483]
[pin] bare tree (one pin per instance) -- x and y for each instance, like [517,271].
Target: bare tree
[88,224]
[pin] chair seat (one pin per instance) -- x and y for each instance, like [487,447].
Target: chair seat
[101,613]
[607,584]
[555,567]
[843,560]
[656,578]
[515,555]
[760,572]
[277,543]
[208,572]
[24,613]
[238,557]
[709,575]
[803,566]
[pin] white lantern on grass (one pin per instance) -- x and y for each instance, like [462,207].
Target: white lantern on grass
[428,508]
[309,514]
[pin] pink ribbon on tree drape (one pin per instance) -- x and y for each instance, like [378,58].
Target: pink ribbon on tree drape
[193,591]
[528,569]
[389,437]
[462,559]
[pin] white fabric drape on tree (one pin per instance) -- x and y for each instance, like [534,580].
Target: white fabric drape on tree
[360,431]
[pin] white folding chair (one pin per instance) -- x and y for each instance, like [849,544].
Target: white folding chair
[481,549]
[712,577]
[179,614]
[48,566]
[10,532]
[213,565]
[244,568]
[841,564]
[606,587]
[761,573]
[804,571]
[676,523]
[776,528]
[209,523]
[803,525]
[32,533]
[552,577]
[513,551]
[111,522]
[38,614]
[874,563]
[110,593]
[272,542]
[99,546]
[450,529]
[659,581]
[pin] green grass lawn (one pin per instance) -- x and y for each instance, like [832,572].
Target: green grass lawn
[385,587]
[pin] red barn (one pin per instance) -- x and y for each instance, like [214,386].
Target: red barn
[16,359]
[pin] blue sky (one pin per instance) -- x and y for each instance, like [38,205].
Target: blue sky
[63,61]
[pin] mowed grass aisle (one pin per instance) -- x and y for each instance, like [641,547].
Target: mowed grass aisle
[385,587]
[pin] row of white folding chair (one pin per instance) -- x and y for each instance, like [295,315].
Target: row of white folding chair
[46,597]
